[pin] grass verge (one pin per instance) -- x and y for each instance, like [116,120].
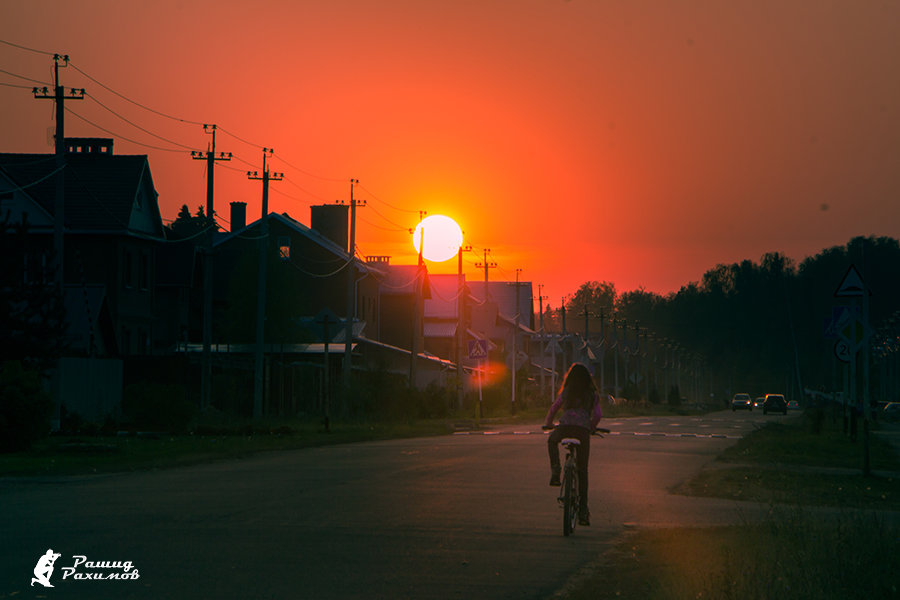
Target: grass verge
[793,553]
[79,455]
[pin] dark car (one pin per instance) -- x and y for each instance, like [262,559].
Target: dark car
[891,411]
[741,401]
[774,403]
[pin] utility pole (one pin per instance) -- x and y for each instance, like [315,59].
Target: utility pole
[59,203]
[541,328]
[258,366]
[602,355]
[418,305]
[562,312]
[206,370]
[515,339]
[351,299]
[486,265]
[460,322]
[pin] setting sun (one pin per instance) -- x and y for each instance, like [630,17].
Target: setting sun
[443,237]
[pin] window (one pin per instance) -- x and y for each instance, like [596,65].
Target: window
[5,203]
[284,247]
[144,271]
[127,270]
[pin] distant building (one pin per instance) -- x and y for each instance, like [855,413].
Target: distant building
[112,232]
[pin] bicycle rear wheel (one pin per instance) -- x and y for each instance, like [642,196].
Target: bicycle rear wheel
[570,499]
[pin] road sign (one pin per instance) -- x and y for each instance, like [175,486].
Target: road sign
[852,284]
[842,351]
[478,349]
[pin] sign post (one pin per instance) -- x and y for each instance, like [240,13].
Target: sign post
[478,350]
[853,333]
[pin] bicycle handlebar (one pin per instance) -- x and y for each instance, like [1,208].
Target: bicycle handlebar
[599,431]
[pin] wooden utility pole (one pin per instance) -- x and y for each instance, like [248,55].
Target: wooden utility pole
[541,328]
[259,359]
[515,349]
[351,300]
[206,371]
[418,306]
[486,265]
[59,203]
[460,323]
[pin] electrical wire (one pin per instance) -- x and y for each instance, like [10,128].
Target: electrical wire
[138,126]
[23,77]
[406,210]
[36,182]
[147,108]
[336,179]
[27,48]
[13,85]
[375,210]
[69,110]
[240,139]
[371,224]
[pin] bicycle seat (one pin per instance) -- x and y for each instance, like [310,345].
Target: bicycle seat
[570,442]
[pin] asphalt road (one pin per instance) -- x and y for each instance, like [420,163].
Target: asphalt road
[460,516]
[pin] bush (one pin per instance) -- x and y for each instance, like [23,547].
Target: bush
[674,397]
[157,407]
[25,408]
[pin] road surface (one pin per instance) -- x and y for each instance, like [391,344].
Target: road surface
[459,516]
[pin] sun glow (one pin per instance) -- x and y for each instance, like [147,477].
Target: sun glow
[442,235]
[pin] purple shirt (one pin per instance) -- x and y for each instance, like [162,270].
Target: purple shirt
[580,417]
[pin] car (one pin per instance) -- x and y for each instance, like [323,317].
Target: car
[774,403]
[793,405]
[741,401]
[758,402]
[891,411]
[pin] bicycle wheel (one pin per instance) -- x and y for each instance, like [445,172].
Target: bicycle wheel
[570,499]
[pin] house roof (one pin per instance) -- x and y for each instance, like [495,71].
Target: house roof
[100,189]
[504,294]
[293,224]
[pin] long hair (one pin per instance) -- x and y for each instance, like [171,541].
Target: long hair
[578,387]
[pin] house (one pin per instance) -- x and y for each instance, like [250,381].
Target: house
[112,230]
[505,316]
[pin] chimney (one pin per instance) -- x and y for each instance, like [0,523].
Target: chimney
[332,221]
[238,215]
[89,146]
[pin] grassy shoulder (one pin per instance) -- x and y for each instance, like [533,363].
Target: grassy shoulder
[796,462]
[792,553]
[80,455]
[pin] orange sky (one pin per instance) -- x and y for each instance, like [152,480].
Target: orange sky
[637,142]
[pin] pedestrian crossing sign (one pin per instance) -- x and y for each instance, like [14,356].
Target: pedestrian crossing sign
[478,349]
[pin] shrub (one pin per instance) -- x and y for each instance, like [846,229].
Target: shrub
[157,407]
[25,408]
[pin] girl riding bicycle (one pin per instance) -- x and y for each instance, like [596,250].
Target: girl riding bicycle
[580,400]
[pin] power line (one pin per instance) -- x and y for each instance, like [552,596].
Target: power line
[109,89]
[147,131]
[23,77]
[406,210]
[69,110]
[26,48]
[13,85]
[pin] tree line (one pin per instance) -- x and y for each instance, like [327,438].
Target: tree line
[759,326]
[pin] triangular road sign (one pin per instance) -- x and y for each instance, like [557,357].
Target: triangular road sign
[852,284]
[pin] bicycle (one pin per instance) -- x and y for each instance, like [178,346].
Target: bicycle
[570,498]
